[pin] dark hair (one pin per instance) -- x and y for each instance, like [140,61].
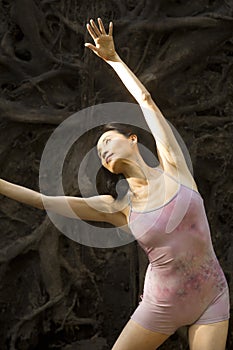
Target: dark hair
[116,184]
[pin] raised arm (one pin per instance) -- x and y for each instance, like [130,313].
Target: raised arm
[97,208]
[170,154]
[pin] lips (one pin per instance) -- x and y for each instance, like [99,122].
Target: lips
[108,158]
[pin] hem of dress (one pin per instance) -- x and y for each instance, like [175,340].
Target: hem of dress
[214,320]
[153,330]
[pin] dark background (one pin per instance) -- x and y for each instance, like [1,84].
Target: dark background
[55,292]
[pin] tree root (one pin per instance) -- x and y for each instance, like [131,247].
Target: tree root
[67,314]
[14,111]
[197,107]
[182,59]
[44,77]
[77,279]
[50,262]
[75,27]
[82,321]
[144,54]
[14,219]
[24,244]
[171,24]
[14,332]
[14,66]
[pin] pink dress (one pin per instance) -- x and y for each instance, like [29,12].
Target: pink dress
[184,283]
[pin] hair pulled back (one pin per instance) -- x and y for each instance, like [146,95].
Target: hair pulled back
[116,184]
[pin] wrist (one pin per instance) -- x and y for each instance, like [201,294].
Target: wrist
[114,58]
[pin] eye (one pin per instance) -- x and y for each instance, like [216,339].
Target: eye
[107,140]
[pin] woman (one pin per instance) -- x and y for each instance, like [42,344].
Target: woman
[184,283]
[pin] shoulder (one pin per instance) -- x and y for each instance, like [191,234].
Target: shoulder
[180,175]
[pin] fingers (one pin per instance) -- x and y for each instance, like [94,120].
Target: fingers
[91,47]
[96,32]
[110,29]
[95,28]
[91,32]
[101,26]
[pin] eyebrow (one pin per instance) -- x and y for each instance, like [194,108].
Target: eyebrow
[102,142]
[105,138]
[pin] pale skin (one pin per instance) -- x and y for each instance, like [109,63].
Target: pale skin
[120,154]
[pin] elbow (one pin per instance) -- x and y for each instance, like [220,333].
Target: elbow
[146,98]
[39,202]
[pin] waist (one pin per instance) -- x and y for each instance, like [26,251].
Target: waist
[188,267]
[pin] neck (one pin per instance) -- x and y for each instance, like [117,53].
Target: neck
[137,173]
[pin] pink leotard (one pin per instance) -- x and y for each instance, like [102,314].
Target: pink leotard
[184,283]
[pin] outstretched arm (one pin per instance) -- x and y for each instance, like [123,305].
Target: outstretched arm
[169,152]
[97,208]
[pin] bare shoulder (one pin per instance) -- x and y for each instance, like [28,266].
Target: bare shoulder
[181,175]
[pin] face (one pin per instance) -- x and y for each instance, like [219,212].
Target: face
[114,149]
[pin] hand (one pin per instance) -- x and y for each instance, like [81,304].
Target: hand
[104,42]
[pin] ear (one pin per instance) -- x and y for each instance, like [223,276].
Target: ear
[133,139]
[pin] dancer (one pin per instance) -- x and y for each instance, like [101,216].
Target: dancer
[184,283]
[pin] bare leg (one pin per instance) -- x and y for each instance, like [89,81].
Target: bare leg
[135,337]
[209,336]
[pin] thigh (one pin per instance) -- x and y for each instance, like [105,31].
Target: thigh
[208,336]
[135,337]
